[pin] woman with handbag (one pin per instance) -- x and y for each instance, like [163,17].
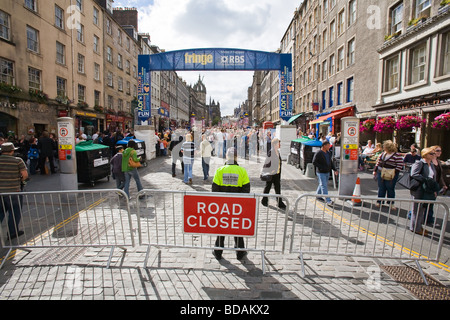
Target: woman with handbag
[130,163]
[425,172]
[386,171]
[271,173]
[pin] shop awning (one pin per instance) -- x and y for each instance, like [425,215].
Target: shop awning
[328,116]
[295,118]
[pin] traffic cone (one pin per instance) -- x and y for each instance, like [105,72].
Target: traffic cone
[357,193]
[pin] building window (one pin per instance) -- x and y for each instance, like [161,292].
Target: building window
[324,39]
[109,54]
[6,71]
[96,44]
[60,53]
[331,97]
[332,65]
[444,55]
[59,17]
[351,52]
[119,61]
[110,79]
[80,32]
[81,63]
[324,70]
[392,74]
[96,98]
[32,39]
[81,93]
[422,8]
[120,84]
[341,22]
[350,90]
[34,79]
[351,12]
[110,102]
[61,87]
[31,4]
[396,18]
[79,5]
[5,26]
[418,64]
[332,31]
[128,87]
[95,16]
[324,99]
[108,27]
[340,93]
[97,71]
[340,65]
[127,66]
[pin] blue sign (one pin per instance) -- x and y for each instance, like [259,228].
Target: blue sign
[221,59]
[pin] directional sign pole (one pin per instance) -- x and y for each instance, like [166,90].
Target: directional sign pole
[348,172]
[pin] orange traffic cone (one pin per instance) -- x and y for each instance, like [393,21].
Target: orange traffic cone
[357,193]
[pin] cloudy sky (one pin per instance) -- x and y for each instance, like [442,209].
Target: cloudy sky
[243,24]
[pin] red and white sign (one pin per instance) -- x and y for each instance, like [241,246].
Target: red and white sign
[221,216]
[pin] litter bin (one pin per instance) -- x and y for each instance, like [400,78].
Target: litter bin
[93,162]
[140,149]
[307,151]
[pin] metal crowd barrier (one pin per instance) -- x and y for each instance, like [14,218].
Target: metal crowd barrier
[160,224]
[366,228]
[62,219]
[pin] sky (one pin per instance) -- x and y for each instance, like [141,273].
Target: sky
[242,24]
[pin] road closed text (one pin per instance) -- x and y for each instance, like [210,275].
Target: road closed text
[219,215]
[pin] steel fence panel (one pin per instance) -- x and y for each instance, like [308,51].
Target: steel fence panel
[160,223]
[359,226]
[58,219]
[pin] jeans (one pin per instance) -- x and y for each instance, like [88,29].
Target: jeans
[323,184]
[188,171]
[386,187]
[133,173]
[13,206]
[205,167]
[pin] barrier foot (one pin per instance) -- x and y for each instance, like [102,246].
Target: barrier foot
[263,261]
[146,256]
[5,258]
[302,264]
[110,257]
[421,273]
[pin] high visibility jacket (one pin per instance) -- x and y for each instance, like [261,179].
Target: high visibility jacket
[231,178]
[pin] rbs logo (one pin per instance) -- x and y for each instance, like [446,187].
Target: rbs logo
[233,59]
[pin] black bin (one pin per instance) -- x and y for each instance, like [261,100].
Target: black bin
[93,162]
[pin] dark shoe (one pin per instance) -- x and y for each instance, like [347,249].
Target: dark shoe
[190,181]
[282,206]
[241,255]
[174,175]
[264,203]
[18,234]
[217,255]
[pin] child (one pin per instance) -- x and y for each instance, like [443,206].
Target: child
[116,168]
[33,155]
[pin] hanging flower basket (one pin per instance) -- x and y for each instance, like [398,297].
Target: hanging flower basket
[367,126]
[409,122]
[442,122]
[385,125]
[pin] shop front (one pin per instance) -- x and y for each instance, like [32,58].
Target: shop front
[88,122]
[331,122]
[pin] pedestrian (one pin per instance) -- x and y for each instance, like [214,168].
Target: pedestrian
[130,172]
[116,168]
[188,150]
[386,171]
[410,158]
[206,152]
[46,145]
[175,149]
[272,167]
[13,174]
[425,172]
[323,164]
[231,178]
[33,155]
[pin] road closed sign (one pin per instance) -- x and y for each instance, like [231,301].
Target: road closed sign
[222,216]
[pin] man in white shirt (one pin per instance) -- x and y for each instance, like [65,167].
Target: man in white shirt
[206,151]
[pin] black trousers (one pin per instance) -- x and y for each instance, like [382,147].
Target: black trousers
[220,242]
[42,164]
[276,182]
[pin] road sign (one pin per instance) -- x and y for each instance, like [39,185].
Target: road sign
[224,216]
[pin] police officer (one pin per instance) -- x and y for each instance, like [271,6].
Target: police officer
[231,178]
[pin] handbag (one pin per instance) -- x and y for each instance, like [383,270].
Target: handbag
[265,176]
[133,164]
[387,174]
[408,182]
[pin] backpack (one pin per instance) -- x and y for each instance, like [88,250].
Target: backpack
[33,154]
